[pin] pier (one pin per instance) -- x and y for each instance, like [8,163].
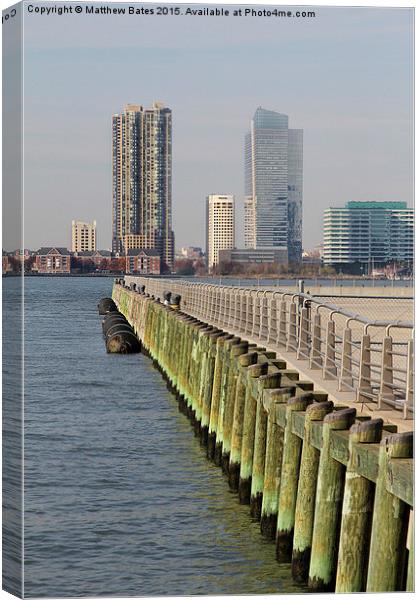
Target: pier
[307,408]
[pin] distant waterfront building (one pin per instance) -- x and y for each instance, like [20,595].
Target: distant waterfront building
[192,252]
[142,181]
[143,262]
[254,255]
[53,260]
[220,226]
[249,209]
[83,236]
[92,260]
[368,233]
[7,266]
[274,184]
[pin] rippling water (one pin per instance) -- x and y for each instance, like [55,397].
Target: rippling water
[119,497]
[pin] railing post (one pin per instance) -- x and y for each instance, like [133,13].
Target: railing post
[271,318]
[282,324]
[235,320]
[263,305]
[249,307]
[212,304]
[223,296]
[330,368]
[214,301]
[346,374]
[315,360]
[385,391]
[241,309]
[222,307]
[291,338]
[364,391]
[203,303]
[410,379]
[229,312]
[254,314]
[228,321]
[207,302]
[303,347]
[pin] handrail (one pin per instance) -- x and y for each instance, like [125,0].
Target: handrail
[302,325]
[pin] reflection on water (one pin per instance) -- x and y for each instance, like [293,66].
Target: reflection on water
[120,499]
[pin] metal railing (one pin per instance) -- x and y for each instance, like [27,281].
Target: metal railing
[374,359]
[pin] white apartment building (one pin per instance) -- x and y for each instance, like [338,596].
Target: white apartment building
[83,236]
[220,226]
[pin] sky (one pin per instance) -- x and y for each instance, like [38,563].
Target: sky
[345,78]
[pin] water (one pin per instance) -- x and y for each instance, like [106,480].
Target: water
[119,497]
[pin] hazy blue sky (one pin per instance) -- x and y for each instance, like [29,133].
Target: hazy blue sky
[345,77]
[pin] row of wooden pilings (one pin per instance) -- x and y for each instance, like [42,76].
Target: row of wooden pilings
[333,489]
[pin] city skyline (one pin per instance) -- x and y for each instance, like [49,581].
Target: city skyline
[348,88]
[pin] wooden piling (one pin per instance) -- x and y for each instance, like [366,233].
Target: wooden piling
[225,390]
[215,396]
[208,388]
[356,513]
[329,495]
[282,528]
[244,361]
[236,351]
[248,432]
[390,521]
[269,381]
[204,382]
[410,567]
[273,399]
[305,502]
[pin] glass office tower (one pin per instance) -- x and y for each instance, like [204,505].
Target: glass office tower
[274,183]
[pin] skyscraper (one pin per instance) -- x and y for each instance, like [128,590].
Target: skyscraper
[220,226]
[274,184]
[142,180]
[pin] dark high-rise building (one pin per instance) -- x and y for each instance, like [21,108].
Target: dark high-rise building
[274,184]
[142,181]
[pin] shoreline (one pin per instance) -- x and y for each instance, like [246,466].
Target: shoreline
[210,279]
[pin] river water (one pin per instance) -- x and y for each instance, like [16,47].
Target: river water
[119,497]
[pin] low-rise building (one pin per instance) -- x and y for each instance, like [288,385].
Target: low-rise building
[52,260]
[367,234]
[143,261]
[192,253]
[97,260]
[6,264]
[255,255]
